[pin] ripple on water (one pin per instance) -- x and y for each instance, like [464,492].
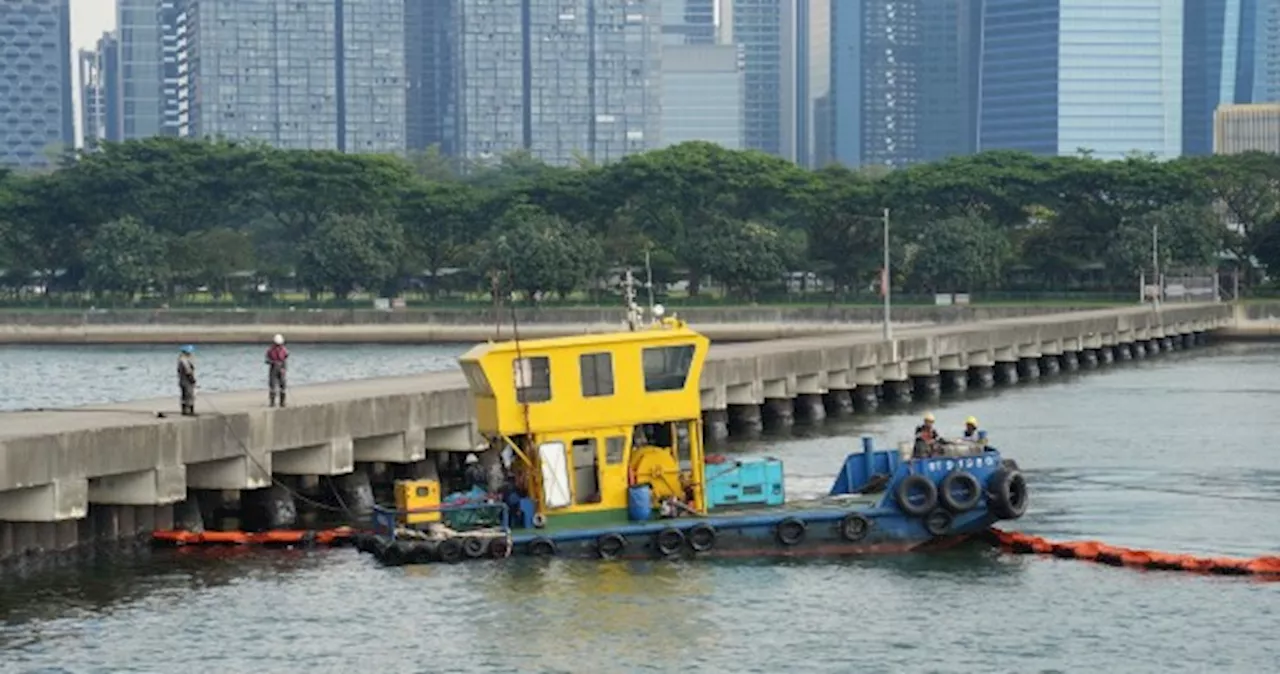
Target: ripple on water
[1087,444]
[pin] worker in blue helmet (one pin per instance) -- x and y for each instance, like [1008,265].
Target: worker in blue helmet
[187,379]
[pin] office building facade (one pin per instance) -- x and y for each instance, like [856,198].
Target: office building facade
[1103,77]
[1226,61]
[1247,128]
[548,77]
[430,44]
[689,22]
[93,123]
[702,95]
[141,73]
[37,117]
[298,74]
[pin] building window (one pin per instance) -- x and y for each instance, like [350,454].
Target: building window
[597,374]
[666,368]
[533,379]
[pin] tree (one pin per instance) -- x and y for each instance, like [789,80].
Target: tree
[439,221]
[209,258]
[347,251]
[126,256]
[743,255]
[303,188]
[537,253]
[960,254]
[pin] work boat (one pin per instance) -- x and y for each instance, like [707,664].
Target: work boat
[594,448]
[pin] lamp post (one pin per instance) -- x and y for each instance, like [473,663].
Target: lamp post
[1155,265]
[885,280]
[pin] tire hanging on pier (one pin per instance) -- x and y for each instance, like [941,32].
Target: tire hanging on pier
[854,527]
[959,491]
[668,542]
[609,546]
[791,531]
[1007,494]
[702,537]
[916,495]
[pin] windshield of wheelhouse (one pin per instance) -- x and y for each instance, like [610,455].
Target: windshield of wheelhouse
[476,381]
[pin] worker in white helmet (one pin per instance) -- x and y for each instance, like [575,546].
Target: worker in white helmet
[927,437]
[277,358]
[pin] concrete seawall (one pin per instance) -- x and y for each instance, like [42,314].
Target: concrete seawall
[454,325]
[68,478]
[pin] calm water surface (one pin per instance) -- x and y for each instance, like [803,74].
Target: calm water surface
[1177,453]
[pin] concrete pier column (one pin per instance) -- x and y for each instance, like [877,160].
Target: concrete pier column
[1106,355]
[955,381]
[1089,359]
[1029,368]
[186,515]
[426,469]
[1139,350]
[926,387]
[270,508]
[1007,373]
[1188,340]
[810,407]
[982,376]
[1070,361]
[1201,338]
[1123,353]
[6,542]
[1049,366]
[745,419]
[778,413]
[715,425]
[897,391]
[839,402]
[865,398]
[1153,347]
[357,492]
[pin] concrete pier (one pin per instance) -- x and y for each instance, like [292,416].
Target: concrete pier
[122,468]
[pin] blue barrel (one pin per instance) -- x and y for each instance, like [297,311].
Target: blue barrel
[639,502]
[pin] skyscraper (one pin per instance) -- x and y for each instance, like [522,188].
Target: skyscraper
[37,118]
[93,122]
[305,74]
[1103,76]
[564,79]
[702,94]
[1231,55]
[688,22]
[142,67]
[430,40]
[904,80]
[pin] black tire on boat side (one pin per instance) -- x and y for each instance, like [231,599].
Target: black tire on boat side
[396,554]
[967,484]
[916,484]
[1007,494]
[1010,464]
[609,546]
[474,547]
[542,547]
[791,531]
[854,527]
[702,537]
[421,552]
[668,542]
[499,548]
[939,522]
[450,551]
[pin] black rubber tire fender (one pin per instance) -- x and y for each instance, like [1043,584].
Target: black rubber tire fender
[854,527]
[499,548]
[939,522]
[450,551]
[542,547]
[909,485]
[474,547]
[702,537]
[421,552]
[965,481]
[1007,494]
[610,545]
[396,554]
[668,541]
[791,531]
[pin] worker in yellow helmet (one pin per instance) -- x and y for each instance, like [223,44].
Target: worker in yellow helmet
[971,431]
[927,438]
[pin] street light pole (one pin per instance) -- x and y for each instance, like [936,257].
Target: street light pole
[885,280]
[1155,265]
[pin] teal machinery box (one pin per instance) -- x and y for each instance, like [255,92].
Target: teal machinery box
[756,481]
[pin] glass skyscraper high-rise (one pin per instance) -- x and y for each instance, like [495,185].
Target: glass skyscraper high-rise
[37,118]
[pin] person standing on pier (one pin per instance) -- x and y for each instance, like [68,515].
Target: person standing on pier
[187,380]
[277,357]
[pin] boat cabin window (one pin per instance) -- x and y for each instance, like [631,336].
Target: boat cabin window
[555,475]
[586,471]
[476,381]
[597,374]
[666,368]
[533,379]
[615,450]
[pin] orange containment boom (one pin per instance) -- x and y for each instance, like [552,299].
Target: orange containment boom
[278,537]
[1093,551]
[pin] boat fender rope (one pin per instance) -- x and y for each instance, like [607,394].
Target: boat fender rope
[702,537]
[669,541]
[791,531]
[916,494]
[959,491]
[854,527]
[939,522]
[610,545]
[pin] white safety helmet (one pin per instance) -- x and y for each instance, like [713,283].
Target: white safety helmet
[278,339]
[471,458]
